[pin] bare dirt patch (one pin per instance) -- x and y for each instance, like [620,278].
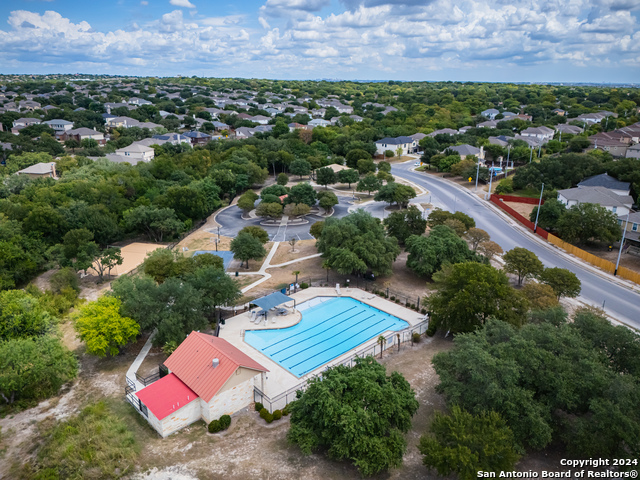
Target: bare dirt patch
[632,262]
[523,209]
[303,248]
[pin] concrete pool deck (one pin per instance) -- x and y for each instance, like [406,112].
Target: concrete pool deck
[279,379]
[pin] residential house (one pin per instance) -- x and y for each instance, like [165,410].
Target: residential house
[606,181]
[502,140]
[244,132]
[40,170]
[172,138]
[632,223]
[467,151]
[59,126]
[591,118]
[208,377]
[319,122]
[613,142]
[405,144]
[125,122]
[197,138]
[488,124]
[445,131]
[261,119]
[418,136]
[532,141]
[297,126]
[356,118]
[389,109]
[139,101]
[21,123]
[490,113]
[465,128]
[570,129]
[633,151]
[618,204]
[83,133]
[544,134]
[138,152]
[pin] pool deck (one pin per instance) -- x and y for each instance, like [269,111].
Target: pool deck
[279,379]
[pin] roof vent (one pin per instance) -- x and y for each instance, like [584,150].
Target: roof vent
[215,362]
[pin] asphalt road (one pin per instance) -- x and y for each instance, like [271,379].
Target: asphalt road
[231,223]
[620,302]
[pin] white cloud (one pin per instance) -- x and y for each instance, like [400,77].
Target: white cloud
[144,3]
[182,3]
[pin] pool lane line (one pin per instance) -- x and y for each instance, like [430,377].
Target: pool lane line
[322,363]
[314,326]
[325,331]
[322,332]
[339,343]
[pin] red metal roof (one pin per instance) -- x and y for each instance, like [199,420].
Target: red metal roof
[192,362]
[166,396]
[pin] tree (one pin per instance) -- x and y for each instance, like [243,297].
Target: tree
[302,193]
[438,217]
[382,342]
[163,263]
[107,260]
[365,166]
[72,144]
[539,296]
[156,223]
[316,229]
[348,176]
[369,183]
[404,223]
[578,144]
[490,249]
[256,232]
[374,411]
[77,250]
[89,143]
[100,325]
[394,192]
[588,222]
[22,316]
[297,209]
[280,128]
[455,225]
[477,236]
[354,155]
[282,179]
[325,176]
[389,154]
[428,254]
[523,263]
[216,288]
[564,282]
[471,293]
[327,200]
[246,203]
[466,444]
[34,368]
[269,209]
[357,244]
[246,247]
[300,167]
[550,212]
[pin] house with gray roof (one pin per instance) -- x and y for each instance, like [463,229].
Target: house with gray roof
[467,150]
[490,113]
[618,204]
[633,151]
[404,144]
[570,129]
[40,170]
[632,223]
[606,181]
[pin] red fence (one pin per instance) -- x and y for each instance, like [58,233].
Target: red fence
[511,198]
[499,201]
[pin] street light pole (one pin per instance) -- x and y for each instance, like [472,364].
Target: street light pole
[477,174]
[531,155]
[535,226]
[615,272]
[490,179]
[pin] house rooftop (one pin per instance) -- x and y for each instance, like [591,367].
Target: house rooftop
[166,396]
[192,363]
[606,181]
[600,195]
[39,169]
[395,141]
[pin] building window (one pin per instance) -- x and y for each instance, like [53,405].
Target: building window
[634,227]
[614,209]
[619,222]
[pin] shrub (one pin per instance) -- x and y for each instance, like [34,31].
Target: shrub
[397,300]
[423,311]
[415,337]
[259,407]
[215,426]
[393,298]
[285,410]
[225,421]
[304,285]
[505,186]
[431,331]
[277,414]
[268,417]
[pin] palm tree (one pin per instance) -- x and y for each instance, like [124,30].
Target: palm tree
[296,273]
[327,266]
[382,341]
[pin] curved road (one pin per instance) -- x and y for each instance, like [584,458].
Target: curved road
[621,303]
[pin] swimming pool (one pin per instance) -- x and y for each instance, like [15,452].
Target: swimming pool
[329,327]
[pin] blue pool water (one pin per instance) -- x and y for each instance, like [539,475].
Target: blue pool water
[329,327]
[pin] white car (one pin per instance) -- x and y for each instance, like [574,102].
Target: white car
[417,164]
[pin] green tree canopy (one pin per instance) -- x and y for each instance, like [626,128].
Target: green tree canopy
[348,176]
[370,183]
[34,368]
[564,282]
[588,222]
[471,293]
[256,232]
[246,247]
[428,254]
[302,193]
[156,223]
[438,217]
[404,223]
[357,244]
[374,411]
[326,176]
[22,316]
[100,325]
[550,213]
[465,444]
[523,263]
[300,167]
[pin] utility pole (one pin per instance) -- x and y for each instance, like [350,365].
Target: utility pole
[477,174]
[506,171]
[535,226]
[615,272]
[531,154]
[490,179]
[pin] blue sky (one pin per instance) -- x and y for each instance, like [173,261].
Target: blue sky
[475,40]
